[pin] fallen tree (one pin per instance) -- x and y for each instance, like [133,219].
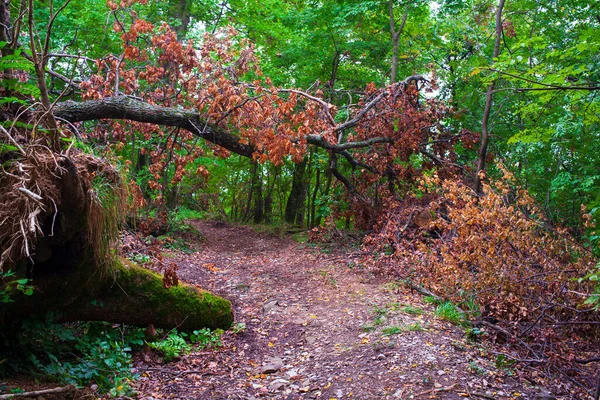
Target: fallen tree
[62,207]
[60,214]
[130,295]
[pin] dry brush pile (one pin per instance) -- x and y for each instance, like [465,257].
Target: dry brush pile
[495,256]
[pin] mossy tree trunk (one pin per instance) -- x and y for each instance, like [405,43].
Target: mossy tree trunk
[129,295]
[74,272]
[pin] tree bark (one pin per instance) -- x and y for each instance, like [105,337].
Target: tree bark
[122,107]
[180,10]
[69,260]
[485,133]
[396,38]
[129,295]
[294,213]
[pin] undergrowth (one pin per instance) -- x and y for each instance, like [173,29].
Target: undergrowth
[90,352]
[494,259]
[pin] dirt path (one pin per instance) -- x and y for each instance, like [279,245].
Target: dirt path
[318,327]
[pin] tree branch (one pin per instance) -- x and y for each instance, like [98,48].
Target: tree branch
[123,107]
[38,392]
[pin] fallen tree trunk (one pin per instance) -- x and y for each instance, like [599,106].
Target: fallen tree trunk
[61,238]
[136,296]
[130,295]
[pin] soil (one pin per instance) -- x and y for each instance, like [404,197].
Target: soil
[318,326]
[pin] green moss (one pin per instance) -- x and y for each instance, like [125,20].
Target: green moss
[185,306]
[128,294]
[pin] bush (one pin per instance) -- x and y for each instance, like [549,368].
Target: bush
[494,255]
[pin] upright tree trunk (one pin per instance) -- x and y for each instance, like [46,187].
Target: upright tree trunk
[319,217]
[180,10]
[294,210]
[253,178]
[396,38]
[268,202]
[258,198]
[485,133]
[313,207]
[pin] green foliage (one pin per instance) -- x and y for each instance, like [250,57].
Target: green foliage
[391,330]
[594,299]
[173,346]
[205,338]
[431,300]
[449,312]
[9,286]
[504,363]
[475,334]
[238,328]
[98,352]
[412,310]
[76,353]
[414,327]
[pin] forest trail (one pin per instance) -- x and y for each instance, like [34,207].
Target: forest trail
[317,326]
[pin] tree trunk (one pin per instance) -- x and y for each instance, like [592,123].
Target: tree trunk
[180,10]
[314,198]
[485,134]
[68,259]
[129,295]
[396,38]
[294,210]
[257,196]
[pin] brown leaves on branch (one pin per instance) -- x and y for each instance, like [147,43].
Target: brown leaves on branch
[495,251]
[222,81]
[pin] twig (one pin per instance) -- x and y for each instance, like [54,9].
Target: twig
[508,334]
[178,373]
[38,392]
[30,194]
[483,395]
[587,361]
[326,106]
[53,217]
[597,395]
[442,389]
[25,239]
[13,141]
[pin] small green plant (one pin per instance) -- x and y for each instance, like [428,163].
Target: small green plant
[368,328]
[504,363]
[394,330]
[391,330]
[139,258]
[205,338]
[173,346]
[594,299]
[449,312]
[412,310]
[10,285]
[431,300]
[238,328]
[476,369]
[414,327]
[176,244]
[474,334]
[76,354]
[471,307]
[380,315]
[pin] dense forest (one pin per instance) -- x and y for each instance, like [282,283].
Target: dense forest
[451,147]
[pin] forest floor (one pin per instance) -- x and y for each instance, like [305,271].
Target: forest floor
[317,326]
